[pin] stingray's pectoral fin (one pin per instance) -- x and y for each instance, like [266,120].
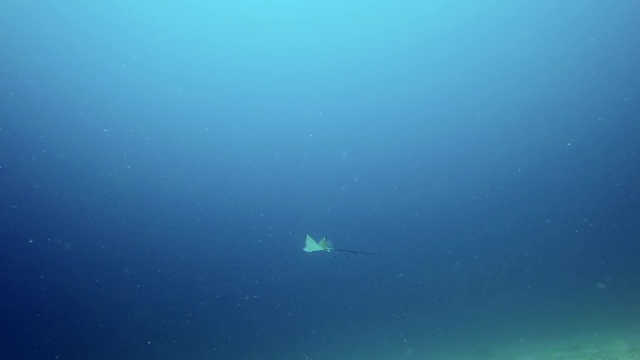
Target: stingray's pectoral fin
[312,246]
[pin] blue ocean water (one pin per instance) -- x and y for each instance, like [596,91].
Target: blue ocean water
[161,163]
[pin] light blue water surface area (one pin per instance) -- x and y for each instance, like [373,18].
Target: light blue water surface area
[161,163]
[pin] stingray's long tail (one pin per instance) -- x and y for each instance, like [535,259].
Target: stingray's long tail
[356,252]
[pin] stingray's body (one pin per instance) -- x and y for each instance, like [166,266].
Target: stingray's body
[324,245]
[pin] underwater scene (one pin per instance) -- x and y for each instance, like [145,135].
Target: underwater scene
[320,180]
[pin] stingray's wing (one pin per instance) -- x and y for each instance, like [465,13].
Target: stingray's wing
[312,246]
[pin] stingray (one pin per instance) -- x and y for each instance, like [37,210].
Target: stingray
[324,245]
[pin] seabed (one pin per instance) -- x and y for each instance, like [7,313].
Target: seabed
[600,347]
[591,345]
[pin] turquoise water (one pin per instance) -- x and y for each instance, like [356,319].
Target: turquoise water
[162,162]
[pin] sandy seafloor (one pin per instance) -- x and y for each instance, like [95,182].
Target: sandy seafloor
[607,345]
[604,334]
[582,340]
